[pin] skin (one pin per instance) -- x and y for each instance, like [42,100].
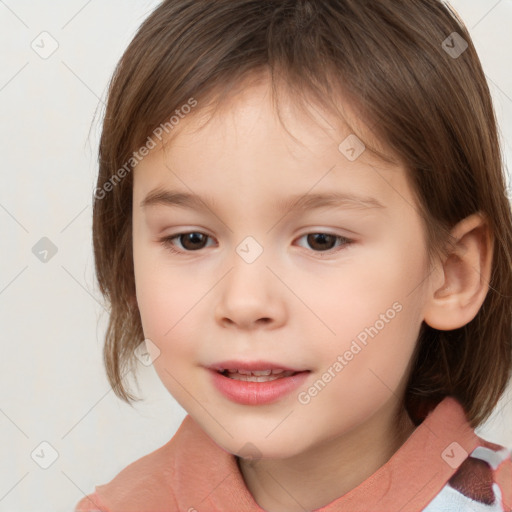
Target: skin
[297,304]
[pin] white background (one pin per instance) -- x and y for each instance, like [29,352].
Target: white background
[53,384]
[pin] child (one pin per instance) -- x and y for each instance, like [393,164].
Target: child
[346,377]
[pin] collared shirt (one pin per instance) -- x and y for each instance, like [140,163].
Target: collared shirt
[442,467]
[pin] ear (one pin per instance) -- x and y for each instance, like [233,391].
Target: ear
[462,277]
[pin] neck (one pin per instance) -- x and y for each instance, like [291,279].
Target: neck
[326,471]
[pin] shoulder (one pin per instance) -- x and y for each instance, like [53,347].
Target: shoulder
[145,484]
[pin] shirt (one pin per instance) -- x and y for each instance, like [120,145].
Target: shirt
[442,466]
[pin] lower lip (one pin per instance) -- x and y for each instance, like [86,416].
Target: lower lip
[257,393]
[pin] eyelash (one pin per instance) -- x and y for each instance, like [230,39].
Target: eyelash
[167,242]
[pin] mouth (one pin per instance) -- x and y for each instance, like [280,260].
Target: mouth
[257,382]
[254,371]
[257,375]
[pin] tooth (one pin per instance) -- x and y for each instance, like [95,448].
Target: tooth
[260,378]
[262,372]
[264,378]
[258,372]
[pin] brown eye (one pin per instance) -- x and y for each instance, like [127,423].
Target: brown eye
[189,242]
[195,241]
[192,241]
[325,242]
[321,241]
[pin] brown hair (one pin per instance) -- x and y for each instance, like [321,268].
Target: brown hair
[430,108]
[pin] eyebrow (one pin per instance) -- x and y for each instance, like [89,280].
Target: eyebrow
[298,202]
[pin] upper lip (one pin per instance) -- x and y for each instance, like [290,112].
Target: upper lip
[251,366]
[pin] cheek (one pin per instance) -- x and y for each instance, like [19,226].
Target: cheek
[174,307]
[167,306]
[374,308]
[365,368]
[164,297]
[163,292]
[354,296]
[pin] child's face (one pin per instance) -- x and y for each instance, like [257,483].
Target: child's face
[299,304]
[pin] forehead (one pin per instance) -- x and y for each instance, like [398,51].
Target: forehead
[258,99]
[246,143]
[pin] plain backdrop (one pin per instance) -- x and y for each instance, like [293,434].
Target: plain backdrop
[54,388]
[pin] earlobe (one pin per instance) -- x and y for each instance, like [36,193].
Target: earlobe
[465,274]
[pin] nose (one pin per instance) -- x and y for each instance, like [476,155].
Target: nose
[250,297]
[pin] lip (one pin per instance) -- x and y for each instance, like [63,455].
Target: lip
[252,366]
[256,393]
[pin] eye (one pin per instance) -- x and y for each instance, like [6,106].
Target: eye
[325,242]
[195,241]
[192,241]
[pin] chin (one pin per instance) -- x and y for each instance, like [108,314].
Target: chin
[250,447]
